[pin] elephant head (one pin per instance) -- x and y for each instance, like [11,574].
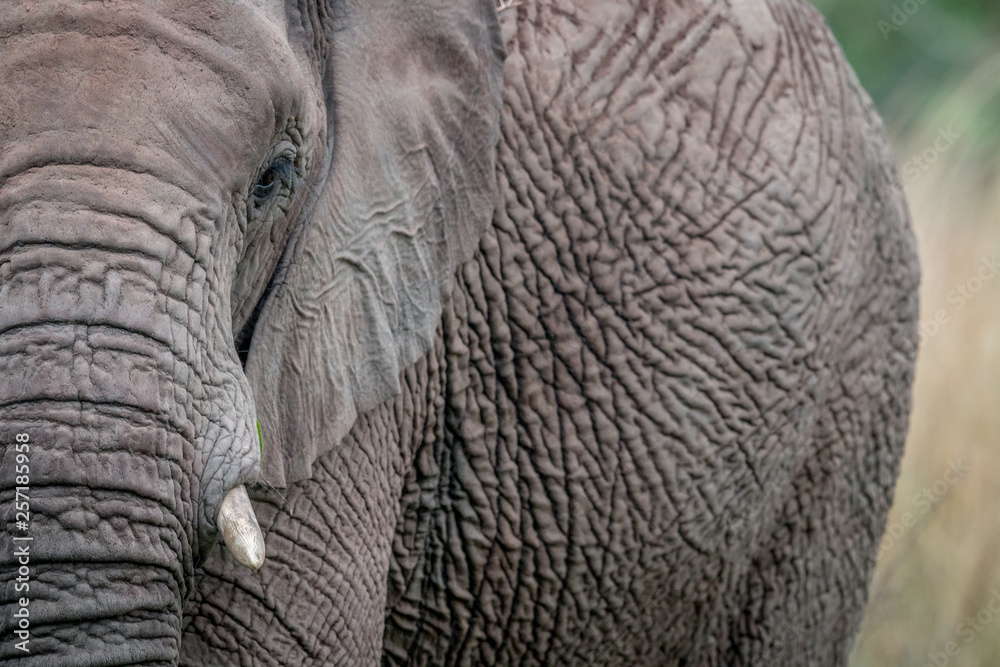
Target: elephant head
[217,219]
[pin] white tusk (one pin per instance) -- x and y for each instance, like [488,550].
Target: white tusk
[240,530]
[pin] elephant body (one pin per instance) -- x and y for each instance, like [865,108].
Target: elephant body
[663,414]
[659,413]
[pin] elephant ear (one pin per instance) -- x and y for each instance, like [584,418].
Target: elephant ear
[413,105]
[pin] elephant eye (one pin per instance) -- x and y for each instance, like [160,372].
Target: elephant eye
[278,173]
[266,183]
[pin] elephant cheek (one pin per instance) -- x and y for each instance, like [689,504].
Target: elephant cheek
[117,367]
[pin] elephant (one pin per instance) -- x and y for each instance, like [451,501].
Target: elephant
[574,333]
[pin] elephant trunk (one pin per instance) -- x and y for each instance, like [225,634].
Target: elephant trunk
[119,376]
[96,571]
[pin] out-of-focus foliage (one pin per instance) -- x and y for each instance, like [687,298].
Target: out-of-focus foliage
[915,44]
[912,54]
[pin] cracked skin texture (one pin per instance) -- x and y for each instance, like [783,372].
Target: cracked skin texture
[664,411]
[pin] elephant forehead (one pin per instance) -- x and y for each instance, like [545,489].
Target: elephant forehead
[108,83]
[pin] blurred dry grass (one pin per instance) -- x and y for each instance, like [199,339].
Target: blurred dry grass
[930,602]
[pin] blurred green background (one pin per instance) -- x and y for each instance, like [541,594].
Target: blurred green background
[933,69]
[927,61]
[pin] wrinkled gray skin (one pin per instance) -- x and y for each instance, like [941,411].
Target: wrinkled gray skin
[639,399]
